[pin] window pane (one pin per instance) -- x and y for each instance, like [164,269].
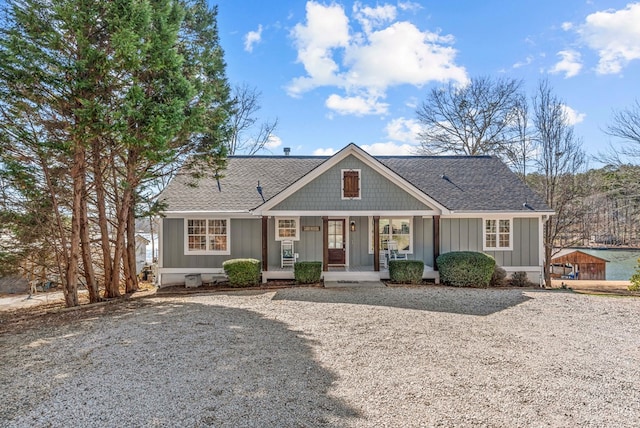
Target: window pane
[218,243]
[504,240]
[504,226]
[491,241]
[490,226]
[403,242]
[196,227]
[197,243]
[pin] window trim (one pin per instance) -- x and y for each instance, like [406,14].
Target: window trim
[354,198]
[287,238]
[188,252]
[497,234]
[411,231]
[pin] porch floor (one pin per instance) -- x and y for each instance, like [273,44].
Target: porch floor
[341,273]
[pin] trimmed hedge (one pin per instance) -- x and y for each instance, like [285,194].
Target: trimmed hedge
[466,269]
[242,272]
[307,272]
[406,271]
[520,279]
[499,277]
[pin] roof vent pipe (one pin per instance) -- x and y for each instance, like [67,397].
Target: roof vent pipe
[287,151]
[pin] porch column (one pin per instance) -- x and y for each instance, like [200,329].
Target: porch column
[436,240]
[325,244]
[265,235]
[376,243]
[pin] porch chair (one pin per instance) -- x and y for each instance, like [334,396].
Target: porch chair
[287,256]
[394,253]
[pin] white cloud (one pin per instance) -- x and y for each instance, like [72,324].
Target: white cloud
[573,117]
[252,38]
[404,130]
[388,149]
[359,106]
[365,64]
[273,142]
[566,26]
[324,152]
[570,64]
[528,60]
[615,35]
[409,5]
[327,28]
[373,17]
[402,54]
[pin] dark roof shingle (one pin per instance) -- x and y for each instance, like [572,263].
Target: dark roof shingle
[459,183]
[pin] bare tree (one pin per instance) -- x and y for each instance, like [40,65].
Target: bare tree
[626,125]
[247,135]
[476,119]
[520,153]
[560,157]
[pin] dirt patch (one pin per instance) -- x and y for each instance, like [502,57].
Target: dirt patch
[618,288]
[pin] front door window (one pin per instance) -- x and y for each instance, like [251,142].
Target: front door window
[336,242]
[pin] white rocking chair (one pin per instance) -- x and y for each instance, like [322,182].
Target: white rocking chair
[287,256]
[394,253]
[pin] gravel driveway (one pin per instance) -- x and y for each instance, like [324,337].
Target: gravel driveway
[306,357]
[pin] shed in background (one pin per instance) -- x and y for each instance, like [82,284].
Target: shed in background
[575,264]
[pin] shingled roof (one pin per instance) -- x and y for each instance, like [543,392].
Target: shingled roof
[459,183]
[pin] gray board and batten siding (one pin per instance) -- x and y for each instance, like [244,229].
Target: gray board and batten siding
[377,192]
[245,242]
[465,234]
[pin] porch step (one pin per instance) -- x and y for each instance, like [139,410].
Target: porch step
[332,276]
[353,284]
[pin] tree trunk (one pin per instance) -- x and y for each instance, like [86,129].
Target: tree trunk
[77,174]
[548,251]
[132,277]
[103,221]
[87,258]
[122,211]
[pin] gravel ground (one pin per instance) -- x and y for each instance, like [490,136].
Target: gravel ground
[307,357]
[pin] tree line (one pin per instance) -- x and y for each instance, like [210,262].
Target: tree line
[99,102]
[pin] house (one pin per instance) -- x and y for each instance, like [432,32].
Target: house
[576,264]
[345,210]
[141,252]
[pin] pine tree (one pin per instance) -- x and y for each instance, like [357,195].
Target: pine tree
[98,100]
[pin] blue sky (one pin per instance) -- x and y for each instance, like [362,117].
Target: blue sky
[345,71]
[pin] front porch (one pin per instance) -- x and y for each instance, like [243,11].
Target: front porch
[346,273]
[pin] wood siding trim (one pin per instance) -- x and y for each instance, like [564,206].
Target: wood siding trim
[265,243]
[350,183]
[325,244]
[376,243]
[436,240]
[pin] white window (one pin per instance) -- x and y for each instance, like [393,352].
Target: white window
[498,234]
[206,236]
[396,229]
[287,228]
[351,184]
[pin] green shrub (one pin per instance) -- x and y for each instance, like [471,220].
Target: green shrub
[406,271]
[466,269]
[635,279]
[307,272]
[242,272]
[499,276]
[519,279]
